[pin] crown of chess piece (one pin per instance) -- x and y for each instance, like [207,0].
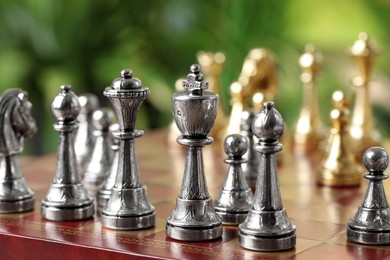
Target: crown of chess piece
[339,168]
[85,140]
[309,131]
[256,83]
[194,217]
[371,223]
[362,129]
[212,67]
[16,123]
[67,199]
[105,192]
[267,227]
[98,167]
[236,197]
[128,207]
[251,166]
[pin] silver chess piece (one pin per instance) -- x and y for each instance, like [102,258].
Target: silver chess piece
[128,207]
[16,123]
[371,223]
[267,227]
[236,197]
[104,193]
[99,165]
[194,217]
[85,140]
[67,199]
[251,166]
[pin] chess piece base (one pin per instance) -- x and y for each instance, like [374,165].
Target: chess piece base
[128,222]
[68,213]
[102,198]
[231,218]
[267,243]
[328,178]
[14,206]
[368,237]
[194,234]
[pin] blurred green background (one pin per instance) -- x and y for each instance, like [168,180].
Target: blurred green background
[44,44]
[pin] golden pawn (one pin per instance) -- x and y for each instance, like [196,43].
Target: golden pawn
[309,132]
[257,83]
[339,168]
[362,130]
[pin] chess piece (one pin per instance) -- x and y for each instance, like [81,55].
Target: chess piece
[267,227]
[16,123]
[98,167]
[362,130]
[257,82]
[194,218]
[309,132]
[67,199]
[173,131]
[105,192]
[236,197]
[339,167]
[251,166]
[212,67]
[371,223]
[128,207]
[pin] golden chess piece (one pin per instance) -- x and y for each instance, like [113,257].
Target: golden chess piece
[309,132]
[362,130]
[257,83]
[339,167]
[212,66]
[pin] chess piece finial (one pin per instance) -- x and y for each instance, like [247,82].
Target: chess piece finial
[371,223]
[236,197]
[362,129]
[309,132]
[256,83]
[85,141]
[66,199]
[339,168]
[98,168]
[267,227]
[128,207]
[16,123]
[194,217]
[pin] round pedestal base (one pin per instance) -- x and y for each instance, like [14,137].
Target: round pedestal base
[368,237]
[194,234]
[14,206]
[128,222]
[231,218]
[67,213]
[102,199]
[264,243]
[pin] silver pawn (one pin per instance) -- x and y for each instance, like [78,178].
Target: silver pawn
[371,223]
[251,167]
[194,217]
[66,199]
[105,192]
[236,197]
[267,227]
[128,207]
[99,165]
[85,140]
[16,123]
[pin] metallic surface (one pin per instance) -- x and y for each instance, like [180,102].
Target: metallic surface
[309,132]
[339,167]
[128,207]
[267,227]
[194,218]
[362,129]
[16,123]
[66,199]
[257,82]
[98,168]
[371,223]
[235,199]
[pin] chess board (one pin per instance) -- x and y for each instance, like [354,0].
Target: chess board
[319,214]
